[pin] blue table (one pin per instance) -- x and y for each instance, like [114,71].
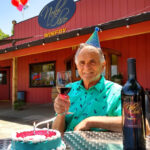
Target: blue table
[88,140]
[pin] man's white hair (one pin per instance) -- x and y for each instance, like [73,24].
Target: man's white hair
[83,45]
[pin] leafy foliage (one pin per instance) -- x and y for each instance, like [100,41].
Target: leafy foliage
[117,76]
[19,105]
[3,35]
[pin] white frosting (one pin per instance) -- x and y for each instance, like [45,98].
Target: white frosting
[62,147]
[36,138]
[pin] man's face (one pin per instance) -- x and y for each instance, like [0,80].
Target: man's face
[89,65]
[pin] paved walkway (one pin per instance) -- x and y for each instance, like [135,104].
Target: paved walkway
[12,120]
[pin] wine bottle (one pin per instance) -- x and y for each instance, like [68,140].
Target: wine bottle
[133,111]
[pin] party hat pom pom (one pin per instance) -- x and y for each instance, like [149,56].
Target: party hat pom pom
[97,29]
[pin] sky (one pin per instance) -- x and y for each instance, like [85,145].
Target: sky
[8,12]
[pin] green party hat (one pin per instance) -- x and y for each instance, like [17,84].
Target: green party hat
[94,39]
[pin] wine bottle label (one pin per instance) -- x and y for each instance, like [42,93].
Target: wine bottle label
[132,114]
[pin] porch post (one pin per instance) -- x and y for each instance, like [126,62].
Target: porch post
[14,81]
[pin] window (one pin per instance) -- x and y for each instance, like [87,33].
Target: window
[42,74]
[70,66]
[114,64]
[111,57]
[3,77]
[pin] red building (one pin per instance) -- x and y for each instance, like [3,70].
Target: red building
[31,57]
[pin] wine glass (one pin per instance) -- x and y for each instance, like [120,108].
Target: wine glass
[63,84]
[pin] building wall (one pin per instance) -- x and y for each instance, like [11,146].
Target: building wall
[137,47]
[39,95]
[88,13]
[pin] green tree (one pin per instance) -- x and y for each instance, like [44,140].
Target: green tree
[3,35]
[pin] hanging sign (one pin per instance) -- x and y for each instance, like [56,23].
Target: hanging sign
[56,13]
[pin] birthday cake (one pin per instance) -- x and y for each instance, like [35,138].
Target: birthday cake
[40,139]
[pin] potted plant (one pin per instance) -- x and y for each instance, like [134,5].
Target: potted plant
[19,105]
[117,78]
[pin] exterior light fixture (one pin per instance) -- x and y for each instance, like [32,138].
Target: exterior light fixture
[78,34]
[127,26]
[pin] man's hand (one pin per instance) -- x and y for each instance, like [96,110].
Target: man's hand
[104,122]
[83,125]
[61,104]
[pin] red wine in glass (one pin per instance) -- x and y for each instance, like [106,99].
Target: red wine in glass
[64,90]
[63,84]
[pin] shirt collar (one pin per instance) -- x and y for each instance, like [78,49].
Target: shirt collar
[99,86]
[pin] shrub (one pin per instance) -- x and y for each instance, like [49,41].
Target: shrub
[19,104]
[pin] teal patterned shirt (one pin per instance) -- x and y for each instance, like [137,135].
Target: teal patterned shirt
[102,99]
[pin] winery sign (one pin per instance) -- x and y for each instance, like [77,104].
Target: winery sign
[56,13]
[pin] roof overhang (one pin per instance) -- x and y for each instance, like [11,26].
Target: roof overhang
[131,26]
[13,41]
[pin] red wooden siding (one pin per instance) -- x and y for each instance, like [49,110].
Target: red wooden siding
[88,13]
[137,47]
[39,95]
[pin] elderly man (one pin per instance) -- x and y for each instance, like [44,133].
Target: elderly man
[94,101]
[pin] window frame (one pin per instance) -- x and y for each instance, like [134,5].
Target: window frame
[4,73]
[42,63]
